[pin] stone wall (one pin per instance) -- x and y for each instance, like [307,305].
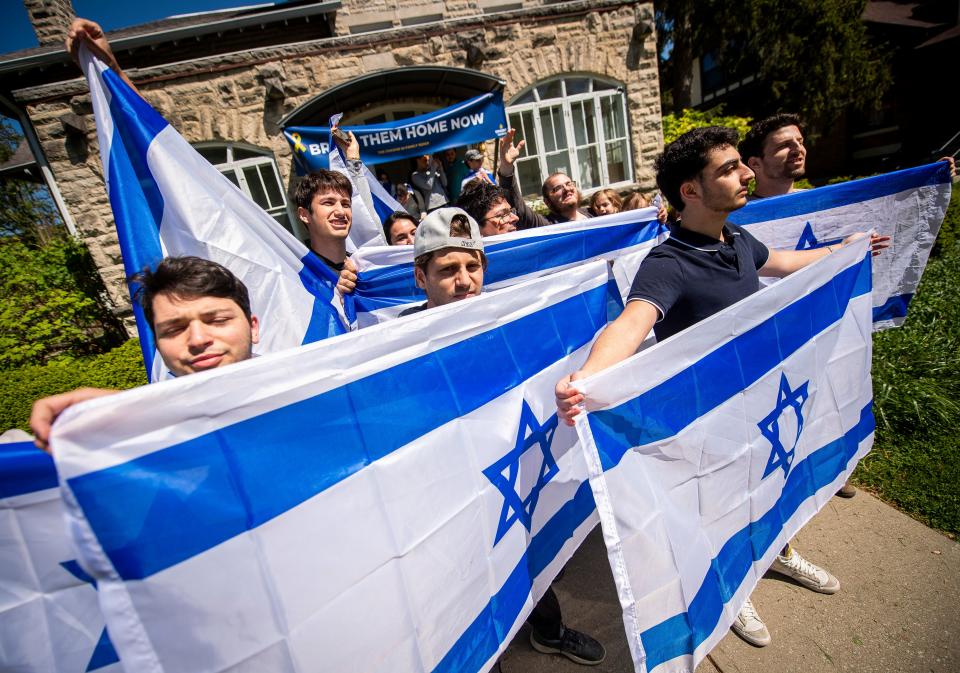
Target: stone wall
[227,99]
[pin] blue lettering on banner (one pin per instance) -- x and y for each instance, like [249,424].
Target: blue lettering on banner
[470,121]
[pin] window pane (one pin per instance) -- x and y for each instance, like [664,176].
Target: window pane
[549,135]
[559,127]
[552,89]
[617,161]
[602,86]
[231,176]
[530,134]
[589,120]
[579,124]
[525,98]
[557,163]
[255,187]
[611,109]
[577,85]
[528,171]
[240,153]
[272,182]
[215,155]
[589,164]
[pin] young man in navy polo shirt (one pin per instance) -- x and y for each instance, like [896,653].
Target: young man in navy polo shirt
[705,266]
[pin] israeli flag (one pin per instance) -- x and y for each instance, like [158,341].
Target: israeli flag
[395,499]
[371,202]
[386,283]
[50,621]
[711,449]
[168,200]
[907,205]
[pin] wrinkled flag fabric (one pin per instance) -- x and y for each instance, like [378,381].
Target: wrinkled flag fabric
[169,200]
[907,205]
[710,450]
[386,283]
[50,620]
[364,503]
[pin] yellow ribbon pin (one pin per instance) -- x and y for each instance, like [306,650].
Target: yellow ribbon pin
[297,145]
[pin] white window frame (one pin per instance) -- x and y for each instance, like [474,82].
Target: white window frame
[565,101]
[263,158]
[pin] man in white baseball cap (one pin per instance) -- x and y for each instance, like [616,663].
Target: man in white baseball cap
[448,262]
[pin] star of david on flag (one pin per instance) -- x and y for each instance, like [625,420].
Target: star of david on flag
[505,472]
[104,653]
[787,399]
[808,240]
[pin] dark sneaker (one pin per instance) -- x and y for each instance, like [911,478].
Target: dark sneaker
[847,491]
[575,646]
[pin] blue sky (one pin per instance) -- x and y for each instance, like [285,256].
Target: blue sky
[16,32]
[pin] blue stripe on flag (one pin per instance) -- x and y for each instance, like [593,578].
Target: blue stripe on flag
[165,507]
[894,307]
[24,469]
[667,408]
[320,280]
[134,194]
[485,634]
[393,285]
[844,194]
[682,634]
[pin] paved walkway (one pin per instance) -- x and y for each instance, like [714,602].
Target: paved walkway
[898,608]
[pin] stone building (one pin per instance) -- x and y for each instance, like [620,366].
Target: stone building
[579,77]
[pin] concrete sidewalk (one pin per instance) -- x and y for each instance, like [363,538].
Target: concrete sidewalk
[898,608]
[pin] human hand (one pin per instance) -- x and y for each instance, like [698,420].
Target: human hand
[90,33]
[953,165]
[45,411]
[568,399]
[351,149]
[509,152]
[878,243]
[347,282]
[662,214]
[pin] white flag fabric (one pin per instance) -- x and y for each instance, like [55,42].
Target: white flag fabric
[368,205]
[380,501]
[50,621]
[907,205]
[710,450]
[386,284]
[169,200]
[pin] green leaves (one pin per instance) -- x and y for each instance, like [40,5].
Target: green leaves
[675,126]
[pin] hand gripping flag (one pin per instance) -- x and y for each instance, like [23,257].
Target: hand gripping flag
[371,202]
[50,621]
[168,200]
[907,205]
[386,284]
[395,499]
[708,451]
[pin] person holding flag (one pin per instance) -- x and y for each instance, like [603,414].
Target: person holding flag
[705,266]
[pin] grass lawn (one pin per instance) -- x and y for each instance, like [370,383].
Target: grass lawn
[915,463]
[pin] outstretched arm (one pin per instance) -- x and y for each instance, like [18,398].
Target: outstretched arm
[509,153]
[616,343]
[782,263]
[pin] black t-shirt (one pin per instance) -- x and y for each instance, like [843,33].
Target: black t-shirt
[413,309]
[690,276]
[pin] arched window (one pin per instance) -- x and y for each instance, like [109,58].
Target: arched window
[575,125]
[255,172]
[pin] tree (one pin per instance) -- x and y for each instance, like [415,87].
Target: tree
[52,300]
[810,56]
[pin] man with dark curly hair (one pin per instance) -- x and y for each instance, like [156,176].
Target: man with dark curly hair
[488,205]
[774,151]
[705,266]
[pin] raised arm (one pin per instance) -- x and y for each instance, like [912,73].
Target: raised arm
[508,182]
[85,31]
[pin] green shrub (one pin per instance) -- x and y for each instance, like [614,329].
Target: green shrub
[120,368]
[675,126]
[949,237]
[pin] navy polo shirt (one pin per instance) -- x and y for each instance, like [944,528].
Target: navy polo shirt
[690,276]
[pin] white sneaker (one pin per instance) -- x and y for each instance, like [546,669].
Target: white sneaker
[811,576]
[750,627]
